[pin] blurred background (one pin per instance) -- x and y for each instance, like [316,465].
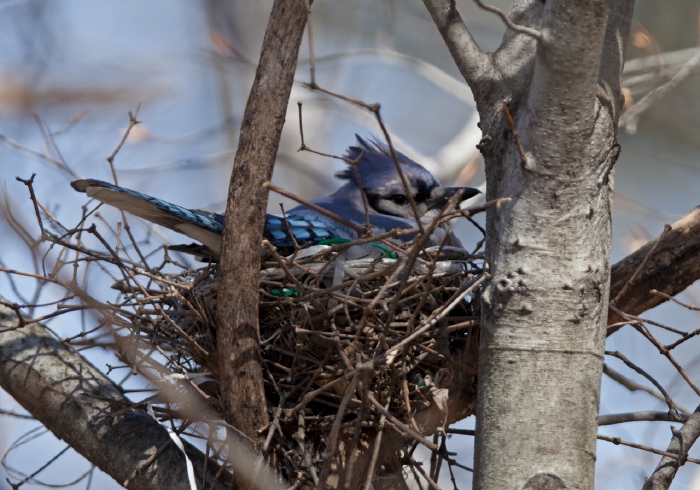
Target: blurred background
[71,71]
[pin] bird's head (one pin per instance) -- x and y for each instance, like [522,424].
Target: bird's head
[385,190]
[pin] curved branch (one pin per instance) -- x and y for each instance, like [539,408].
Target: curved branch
[650,416]
[534,33]
[84,408]
[681,442]
[671,268]
[470,60]
[632,385]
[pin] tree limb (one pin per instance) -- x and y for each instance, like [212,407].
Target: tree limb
[87,410]
[681,442]
[238,343]
[674,265]
[470,60]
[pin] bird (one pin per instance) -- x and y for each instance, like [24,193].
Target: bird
[373,173]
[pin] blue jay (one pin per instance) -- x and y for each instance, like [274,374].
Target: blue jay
[388,206]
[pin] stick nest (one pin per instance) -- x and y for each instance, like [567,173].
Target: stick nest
[356,353]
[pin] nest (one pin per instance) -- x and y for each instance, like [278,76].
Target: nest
[357,353]
[363,358]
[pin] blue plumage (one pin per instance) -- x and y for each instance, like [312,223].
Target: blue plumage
[379,180]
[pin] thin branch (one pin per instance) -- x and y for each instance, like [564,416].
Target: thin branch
[648,416]
[634,386]
[639,326]
[534,33]
[656,61]
[667,297]
[618,441]
[641,371]
[629,119]
[132,122]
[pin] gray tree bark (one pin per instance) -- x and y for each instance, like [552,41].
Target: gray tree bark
[557,74]
[88,411]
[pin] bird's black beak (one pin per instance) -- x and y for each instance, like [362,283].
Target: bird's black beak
[443,194]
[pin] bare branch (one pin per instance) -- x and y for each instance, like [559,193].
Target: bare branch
[618,441]
[629,119]
[641,371]
[681,442]
[470,60]
[673,267]
[534,33]
[133,121]
[84,408]
[238,339]
[650,416]
[632,385]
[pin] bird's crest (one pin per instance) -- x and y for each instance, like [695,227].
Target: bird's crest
[377,168]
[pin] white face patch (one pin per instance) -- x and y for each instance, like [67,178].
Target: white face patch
[393,200]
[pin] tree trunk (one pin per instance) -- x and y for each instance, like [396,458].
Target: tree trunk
[238,340]
[549,101]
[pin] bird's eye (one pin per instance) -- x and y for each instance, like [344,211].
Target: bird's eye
[399,199]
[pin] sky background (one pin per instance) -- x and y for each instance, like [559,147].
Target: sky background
[74,69]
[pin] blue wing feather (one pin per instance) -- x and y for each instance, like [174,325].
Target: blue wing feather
[151,208]
[302,225]
[204,226]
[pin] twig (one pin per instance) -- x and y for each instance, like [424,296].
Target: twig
[629,119]
[648,416]
[132,122]
[641,371]
[435,319]
[377,444]
[534,33]
[634,386]
[619,441]
[400,425]
[30,186]
[667,297]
